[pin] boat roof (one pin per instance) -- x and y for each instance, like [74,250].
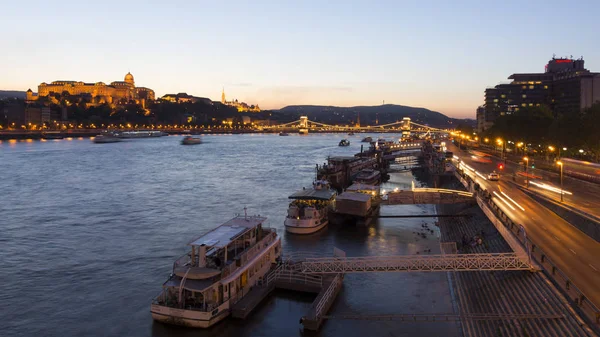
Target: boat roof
[312,194]
[362,187]
[355,196]
[189,284]
[224,234]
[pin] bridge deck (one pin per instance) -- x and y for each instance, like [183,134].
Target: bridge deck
[415,263]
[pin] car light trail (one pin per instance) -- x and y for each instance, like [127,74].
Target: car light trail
[514,202]
[504,201]
[550,188]
[479,174]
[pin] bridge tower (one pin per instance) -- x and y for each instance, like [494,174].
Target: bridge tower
[405,127]
[303,122]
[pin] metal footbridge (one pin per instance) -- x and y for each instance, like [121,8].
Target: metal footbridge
[414,263]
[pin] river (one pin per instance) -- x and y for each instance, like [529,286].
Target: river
[89,232]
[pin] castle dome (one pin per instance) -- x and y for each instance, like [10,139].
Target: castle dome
[129,78]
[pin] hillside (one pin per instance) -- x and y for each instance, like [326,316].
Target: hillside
[369,115]
[12,94]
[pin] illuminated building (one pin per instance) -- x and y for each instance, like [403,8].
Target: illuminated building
[565,87]
[112,93]
[241,107]
[183,97]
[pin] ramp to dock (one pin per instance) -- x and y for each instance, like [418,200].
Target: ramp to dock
[315,316]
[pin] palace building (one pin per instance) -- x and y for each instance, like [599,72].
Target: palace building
[241,107]
[100,92]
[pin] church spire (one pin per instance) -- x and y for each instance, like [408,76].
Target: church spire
[223,96]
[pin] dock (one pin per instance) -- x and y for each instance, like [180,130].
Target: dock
[287,276]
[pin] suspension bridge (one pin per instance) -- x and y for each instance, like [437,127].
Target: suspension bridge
[405,126]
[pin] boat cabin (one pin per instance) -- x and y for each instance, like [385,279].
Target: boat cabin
[307,203]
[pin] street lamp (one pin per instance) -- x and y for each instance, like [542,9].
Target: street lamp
[526,176]
[561,179]
[501,143]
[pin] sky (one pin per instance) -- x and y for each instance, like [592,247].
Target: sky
[439,55]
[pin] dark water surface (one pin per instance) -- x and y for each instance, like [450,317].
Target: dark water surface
[89,232]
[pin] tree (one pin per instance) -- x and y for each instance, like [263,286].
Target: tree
[591,121]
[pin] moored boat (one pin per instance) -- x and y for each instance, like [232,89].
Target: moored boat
[367,140]
[142,134]
[344,142]
[221,268]
[309,210]
[106,138]
[350,133]
[284,134]
[368,176]
[189,140]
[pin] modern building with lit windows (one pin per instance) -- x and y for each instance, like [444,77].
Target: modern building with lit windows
[566,87]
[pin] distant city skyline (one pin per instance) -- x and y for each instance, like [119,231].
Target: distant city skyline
[433,54]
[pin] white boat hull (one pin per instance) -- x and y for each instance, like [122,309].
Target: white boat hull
[189,318]
[303,226]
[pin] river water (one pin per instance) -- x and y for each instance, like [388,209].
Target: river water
[89,232]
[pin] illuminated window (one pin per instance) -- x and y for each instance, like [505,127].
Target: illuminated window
[524,87]
[531,87]
[524,96]
[537,104]
[523,104]
[503,96]
[545,87]
[530,104]
[495,100]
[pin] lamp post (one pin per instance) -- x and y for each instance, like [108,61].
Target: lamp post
[526,176]
[501,143]
[559,163]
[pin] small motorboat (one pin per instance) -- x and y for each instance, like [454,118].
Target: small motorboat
[344,142]
[367,140]
[350,133]
[284,134]
[106,138]
[189,140]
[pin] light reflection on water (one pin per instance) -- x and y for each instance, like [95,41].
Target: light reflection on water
[90,232]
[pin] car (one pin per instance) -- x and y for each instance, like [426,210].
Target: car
[493,176]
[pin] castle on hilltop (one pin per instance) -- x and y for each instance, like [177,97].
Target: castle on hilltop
[241,107]
[112,93]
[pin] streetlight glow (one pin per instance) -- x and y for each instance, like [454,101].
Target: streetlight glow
[559,163]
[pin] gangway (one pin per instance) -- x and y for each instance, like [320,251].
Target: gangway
[415,263]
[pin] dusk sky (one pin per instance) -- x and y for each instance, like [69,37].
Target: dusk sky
[440,55]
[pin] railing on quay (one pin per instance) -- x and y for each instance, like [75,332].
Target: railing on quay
[558,276]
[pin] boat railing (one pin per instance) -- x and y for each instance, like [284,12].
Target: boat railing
[252,251]
[256,248]
[183,260]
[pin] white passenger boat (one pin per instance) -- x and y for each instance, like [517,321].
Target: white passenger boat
[219,271]
[309,211]
[106,138]
[142,134]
